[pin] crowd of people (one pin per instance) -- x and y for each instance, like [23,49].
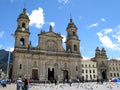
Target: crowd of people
[22,84]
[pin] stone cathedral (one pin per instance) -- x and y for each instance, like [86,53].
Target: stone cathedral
[49,60]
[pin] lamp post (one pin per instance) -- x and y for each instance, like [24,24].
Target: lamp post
[8,63]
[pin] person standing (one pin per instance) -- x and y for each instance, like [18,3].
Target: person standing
[19,83]
[26,86]
[70,81]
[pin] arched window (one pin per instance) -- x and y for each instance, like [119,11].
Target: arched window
[23,25]
[114,74]
[74,34]
[116,68]
[82,71]
[20,67]
[76,68]
[22,42]
[117,74]
[91,77]
[75,47]
[90,71]
[111,74]
[113,68]
[86,76]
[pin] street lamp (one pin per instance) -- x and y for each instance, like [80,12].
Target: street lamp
[8,64]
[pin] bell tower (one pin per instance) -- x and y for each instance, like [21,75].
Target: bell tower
[72,40]
[97,52]
[103,53]
[22,32]
[100,54]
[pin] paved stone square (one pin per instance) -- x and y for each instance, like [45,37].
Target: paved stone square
[75,86]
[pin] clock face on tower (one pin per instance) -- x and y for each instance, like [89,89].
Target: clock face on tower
[23,29]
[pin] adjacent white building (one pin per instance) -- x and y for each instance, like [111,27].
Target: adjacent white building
[89,70]
[114,68]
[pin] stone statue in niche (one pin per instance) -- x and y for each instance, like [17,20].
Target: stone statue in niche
[35,64]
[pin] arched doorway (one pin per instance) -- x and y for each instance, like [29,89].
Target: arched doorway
[65,74]
[104,75]
[35,74]
[50,74]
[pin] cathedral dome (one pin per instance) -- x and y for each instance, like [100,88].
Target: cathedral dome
[97,49]
[71,24]
[23,14]
[103,50]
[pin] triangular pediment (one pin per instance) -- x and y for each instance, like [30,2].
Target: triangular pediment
[52,34]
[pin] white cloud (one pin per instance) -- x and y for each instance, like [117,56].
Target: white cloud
[92,25]
[117,33]
[1,34]
[117,37]
[86,58]
[118,58]
[64,38]
[111,41]
[103,20]
[63,1]
[9,49]
[52,24]
[117,30]
[106,41]
[107,30]
[37,18]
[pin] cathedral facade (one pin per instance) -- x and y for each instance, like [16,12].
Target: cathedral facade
[49,60]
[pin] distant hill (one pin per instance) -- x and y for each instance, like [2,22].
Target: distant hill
[4,59]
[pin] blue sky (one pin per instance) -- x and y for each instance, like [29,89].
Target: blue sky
[98,22]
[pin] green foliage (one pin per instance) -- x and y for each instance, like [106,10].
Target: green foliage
[3,55]
[3,66]
[4,59]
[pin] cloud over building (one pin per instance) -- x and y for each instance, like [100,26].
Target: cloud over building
[37,18]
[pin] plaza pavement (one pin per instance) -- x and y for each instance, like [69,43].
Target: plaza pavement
[75,86]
